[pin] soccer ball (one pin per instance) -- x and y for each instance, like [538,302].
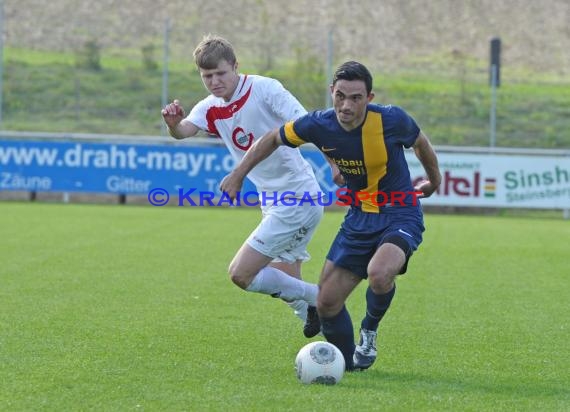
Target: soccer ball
[319,362]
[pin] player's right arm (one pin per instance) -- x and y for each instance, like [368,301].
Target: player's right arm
[175,118]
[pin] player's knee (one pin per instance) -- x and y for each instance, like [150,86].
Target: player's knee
[238,276]
[327,307]
[381,281]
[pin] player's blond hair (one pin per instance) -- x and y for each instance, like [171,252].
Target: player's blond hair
[211,50]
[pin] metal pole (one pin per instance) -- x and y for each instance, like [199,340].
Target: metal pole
[328,98]
[165,69]
[493,114]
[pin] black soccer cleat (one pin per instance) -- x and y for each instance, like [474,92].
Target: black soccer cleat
[312,325]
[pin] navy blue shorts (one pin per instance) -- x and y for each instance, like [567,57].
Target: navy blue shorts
[362,233]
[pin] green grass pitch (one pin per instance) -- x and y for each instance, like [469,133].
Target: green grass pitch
[126,308]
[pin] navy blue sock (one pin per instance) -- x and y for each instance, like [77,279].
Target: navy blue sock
[376,307]
[339,331]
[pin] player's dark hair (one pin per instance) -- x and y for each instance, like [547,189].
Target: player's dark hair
[352,70]
[211,50]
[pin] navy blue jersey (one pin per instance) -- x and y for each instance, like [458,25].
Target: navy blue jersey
[370,157]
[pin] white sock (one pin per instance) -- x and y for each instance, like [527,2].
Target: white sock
[300,309]
[274,282]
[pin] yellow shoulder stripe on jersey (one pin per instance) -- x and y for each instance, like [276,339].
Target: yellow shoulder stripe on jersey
[291,136]
[375,157]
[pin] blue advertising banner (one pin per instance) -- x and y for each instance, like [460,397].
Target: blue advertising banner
[183,170]
[130,169]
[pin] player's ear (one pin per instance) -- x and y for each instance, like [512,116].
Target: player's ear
[236,64]
[371,96]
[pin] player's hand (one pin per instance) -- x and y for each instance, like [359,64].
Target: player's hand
[173,114]
[231,184]
[426,188]
[338,179]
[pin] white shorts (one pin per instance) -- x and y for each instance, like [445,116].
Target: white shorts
[285,231]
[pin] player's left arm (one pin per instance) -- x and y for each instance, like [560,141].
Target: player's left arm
[428,158]
[260,150]
[281,101]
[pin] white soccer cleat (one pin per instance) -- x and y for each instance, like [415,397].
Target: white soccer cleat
[365,352]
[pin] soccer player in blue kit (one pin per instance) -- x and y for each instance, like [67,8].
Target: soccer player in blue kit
[384,223]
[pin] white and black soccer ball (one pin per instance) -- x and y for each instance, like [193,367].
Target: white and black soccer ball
[319,362]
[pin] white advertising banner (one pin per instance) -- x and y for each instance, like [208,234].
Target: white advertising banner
[494,180]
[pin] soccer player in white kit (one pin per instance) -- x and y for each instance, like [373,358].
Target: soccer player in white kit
[241,109]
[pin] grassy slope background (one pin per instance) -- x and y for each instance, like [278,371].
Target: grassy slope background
[429,57]
[384,34]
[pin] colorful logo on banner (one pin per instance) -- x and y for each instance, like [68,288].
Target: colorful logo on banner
[499,180]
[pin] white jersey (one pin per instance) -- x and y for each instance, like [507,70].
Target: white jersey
[259,105]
